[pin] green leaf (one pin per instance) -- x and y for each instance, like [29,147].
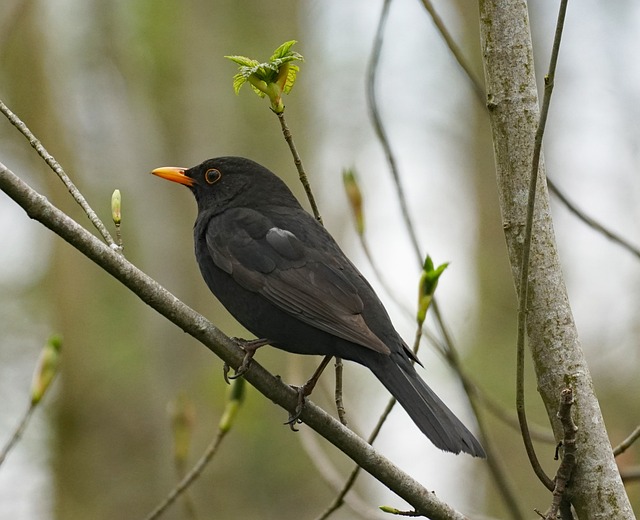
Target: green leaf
[292,71]
[272,78]
[243,61]
[283,50]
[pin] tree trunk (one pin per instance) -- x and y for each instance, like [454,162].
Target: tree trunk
[596,489]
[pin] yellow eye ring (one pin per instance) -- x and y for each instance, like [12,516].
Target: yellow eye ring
[212,176]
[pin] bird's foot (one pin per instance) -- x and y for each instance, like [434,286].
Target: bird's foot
[250,346]
[294,418]
[304,391]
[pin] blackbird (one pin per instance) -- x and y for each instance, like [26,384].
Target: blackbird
[284,278]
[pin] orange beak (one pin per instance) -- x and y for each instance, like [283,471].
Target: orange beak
[174,174]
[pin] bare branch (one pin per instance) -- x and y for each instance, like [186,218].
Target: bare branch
[591,222]
[382,134]
[55,166]
[478,89]
[569,459]
[625,444]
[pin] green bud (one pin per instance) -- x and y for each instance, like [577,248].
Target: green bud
[46,369]
[116,203]
[183,416]
[235,398]
[427,287]
[355,198]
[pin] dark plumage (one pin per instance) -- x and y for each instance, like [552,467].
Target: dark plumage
[282,275]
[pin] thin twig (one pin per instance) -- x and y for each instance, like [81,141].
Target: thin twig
[182,415]
[299,166]
[591,222]
[55,166]
[631,474]
[625,444]
[399,512]
[18,432]
[569,459]
[46,369]
[187,500]
[342,414]
[316,213]
[339,499]
[189,477]
[538,433]
[288,137]
[478,89]
[381,133]
[526,250]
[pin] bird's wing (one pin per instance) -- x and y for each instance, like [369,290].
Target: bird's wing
[304,281]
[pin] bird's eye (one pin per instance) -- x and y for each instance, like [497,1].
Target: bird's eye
[212,176]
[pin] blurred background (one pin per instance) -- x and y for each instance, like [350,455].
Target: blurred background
[116,88]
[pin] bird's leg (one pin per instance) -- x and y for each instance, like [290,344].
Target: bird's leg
[304,391]
[249,346]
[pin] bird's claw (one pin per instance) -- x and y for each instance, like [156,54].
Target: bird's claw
[294,418]
[225,373]
[250,347]
[303,392]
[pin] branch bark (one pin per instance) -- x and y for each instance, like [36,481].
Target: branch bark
[596,489]
[153,294]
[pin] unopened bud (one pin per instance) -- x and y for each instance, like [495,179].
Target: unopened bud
[355,198]
[116,203]
[235,398]
[427,287]
[183,416]
[46,368]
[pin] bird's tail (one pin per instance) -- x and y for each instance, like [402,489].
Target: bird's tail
[426,409]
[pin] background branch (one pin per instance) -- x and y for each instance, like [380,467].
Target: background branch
[55,166]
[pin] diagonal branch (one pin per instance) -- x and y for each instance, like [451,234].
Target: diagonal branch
[592,222]
[478,89]
[382,134]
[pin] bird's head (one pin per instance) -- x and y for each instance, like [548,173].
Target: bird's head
[230,181]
